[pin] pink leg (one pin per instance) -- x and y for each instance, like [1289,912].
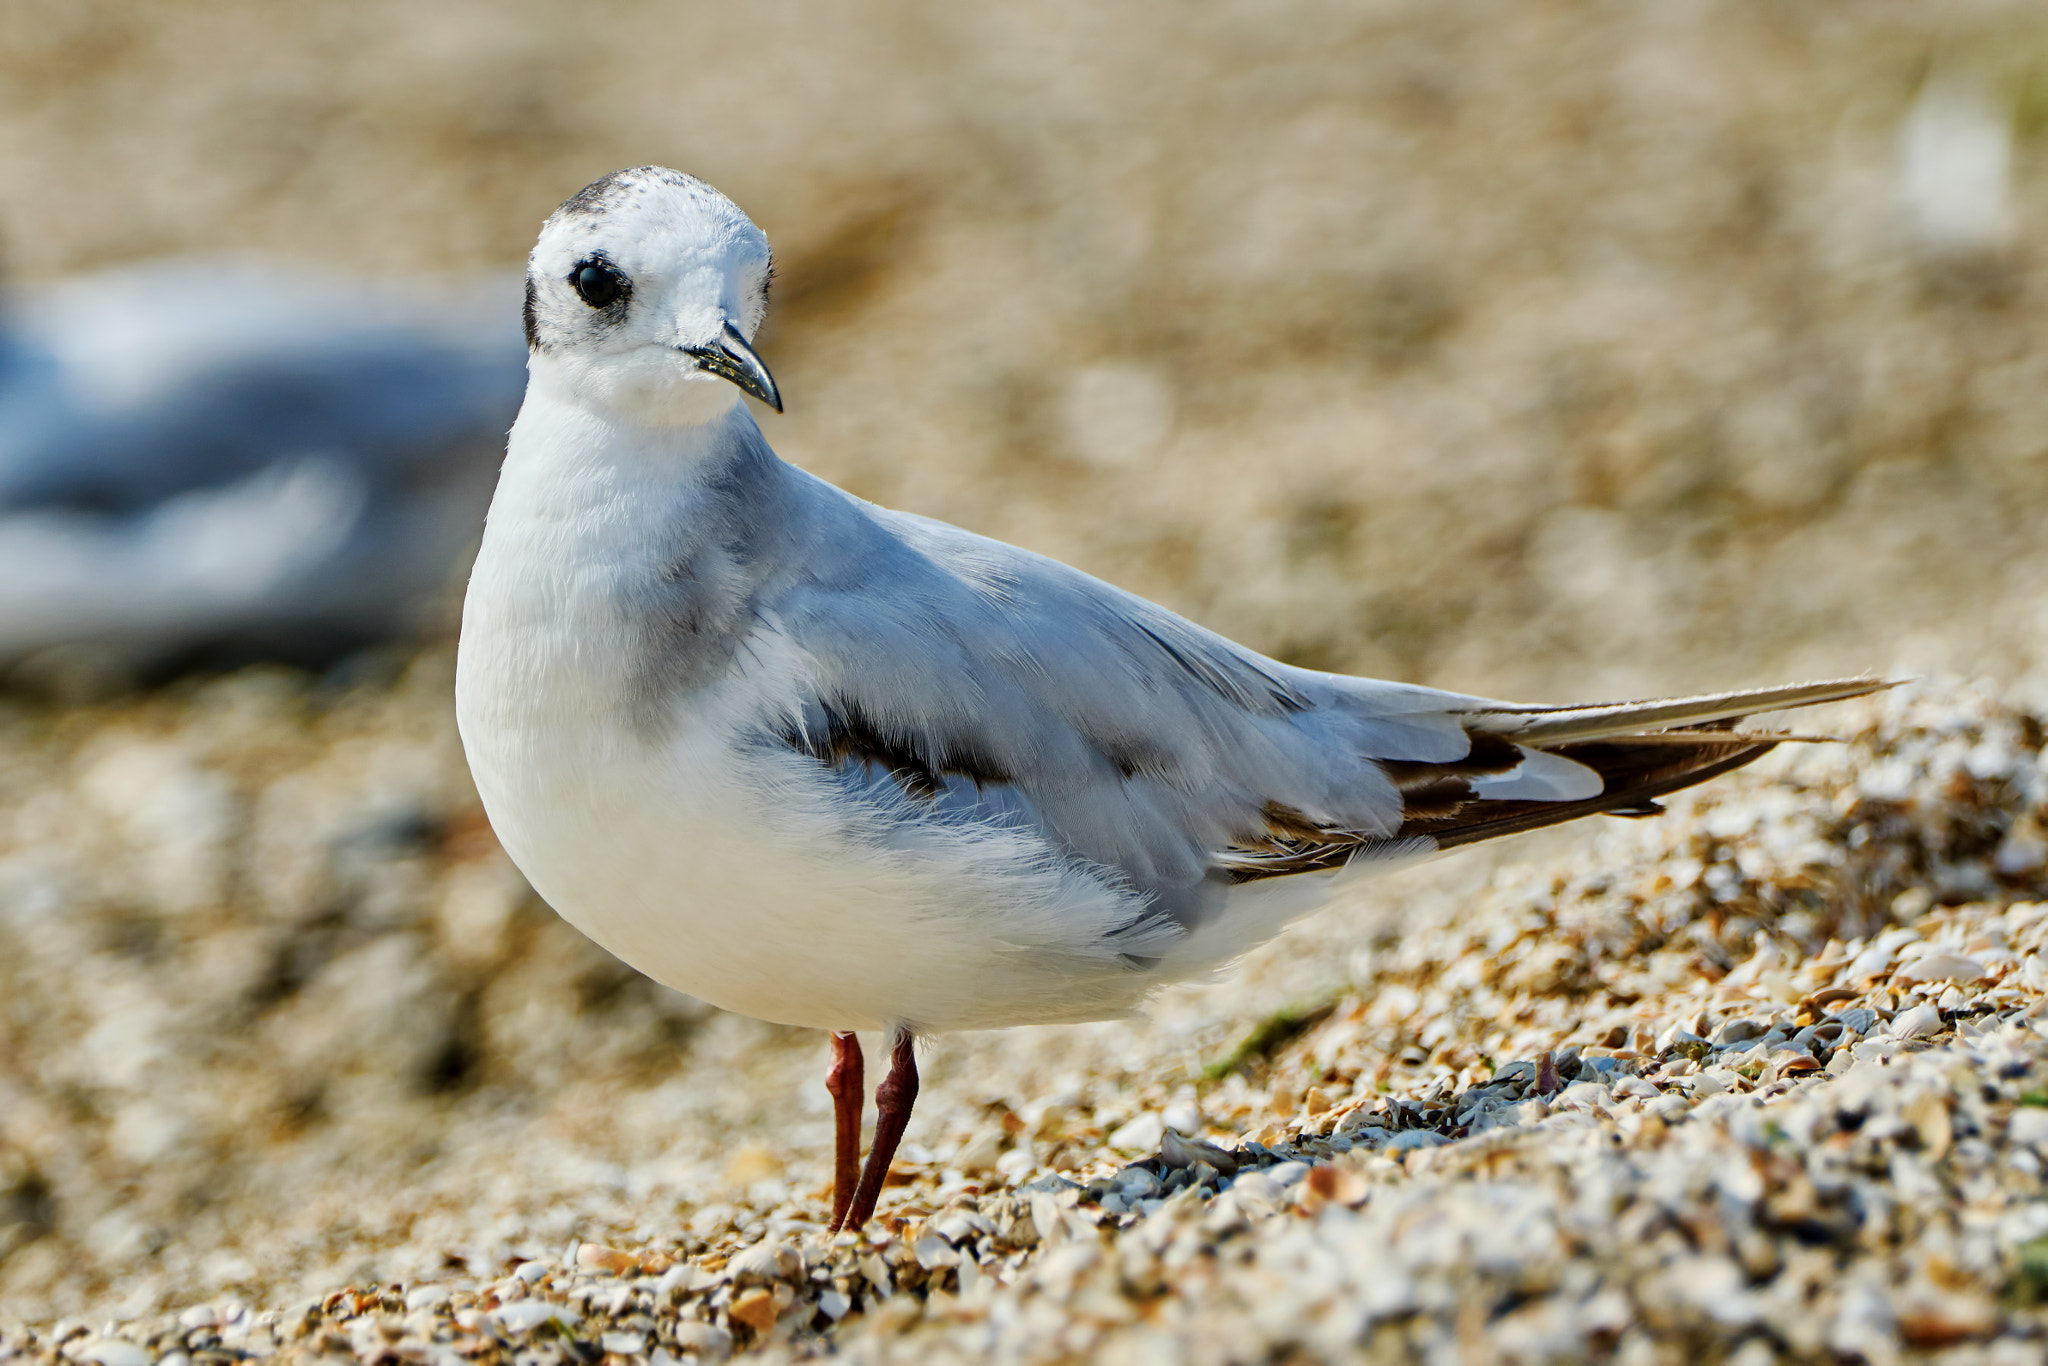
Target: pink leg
[893,1099]
[849,1093]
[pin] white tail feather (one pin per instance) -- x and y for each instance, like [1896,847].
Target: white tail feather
[1564,725]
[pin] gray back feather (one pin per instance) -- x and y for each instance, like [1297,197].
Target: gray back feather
[989,684]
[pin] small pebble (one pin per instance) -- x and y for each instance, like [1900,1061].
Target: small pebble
[681,1276]
[1137,1183]
[1411,1139]
[523,1316]
[609,1260]
[765,1262]
[1140,1135]
[1176,1151]
[1522,1073]
[708,1339]
[1336,1184]
[2029,1125]
[112,1352]
[932,1251]
[755,1308]
[1261,1191]
[1922,1021]
[1939,967]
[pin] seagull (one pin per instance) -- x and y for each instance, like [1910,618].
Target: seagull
[845,768]
[210,459]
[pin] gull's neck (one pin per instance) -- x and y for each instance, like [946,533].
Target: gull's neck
[621,457]
[566,439]
[588,484]
[604,532]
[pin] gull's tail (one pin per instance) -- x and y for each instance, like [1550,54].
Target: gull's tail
[1641,750]
[1505,784]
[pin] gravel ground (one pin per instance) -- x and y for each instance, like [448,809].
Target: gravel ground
[295,1065]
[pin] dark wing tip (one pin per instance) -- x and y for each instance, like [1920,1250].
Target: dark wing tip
[1440,805]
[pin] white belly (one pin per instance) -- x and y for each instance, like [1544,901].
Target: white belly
[741,878]
[724,865]
[740,873]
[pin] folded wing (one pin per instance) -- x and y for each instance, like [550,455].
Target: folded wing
[958,679]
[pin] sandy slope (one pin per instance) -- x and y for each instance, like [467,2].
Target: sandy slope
[280,1022]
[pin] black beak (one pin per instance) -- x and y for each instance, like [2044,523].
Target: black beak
[731,358]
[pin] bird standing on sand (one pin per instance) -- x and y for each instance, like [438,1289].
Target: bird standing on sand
[835,766]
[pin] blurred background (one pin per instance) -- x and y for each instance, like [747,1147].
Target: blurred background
[1536,350]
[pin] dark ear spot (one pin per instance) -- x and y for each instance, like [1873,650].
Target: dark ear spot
[532,326]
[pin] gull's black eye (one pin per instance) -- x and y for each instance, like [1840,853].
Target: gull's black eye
[597,284]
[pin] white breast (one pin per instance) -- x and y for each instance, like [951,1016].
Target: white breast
[728,869]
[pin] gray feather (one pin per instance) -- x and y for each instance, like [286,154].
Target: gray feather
[952,678]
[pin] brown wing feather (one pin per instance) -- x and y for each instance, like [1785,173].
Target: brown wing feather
[1440,805]
[1633,777]
[1641,750]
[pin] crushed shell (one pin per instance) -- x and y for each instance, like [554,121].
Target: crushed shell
[1765,1078]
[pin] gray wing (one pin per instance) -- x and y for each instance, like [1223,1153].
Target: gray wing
[986,683]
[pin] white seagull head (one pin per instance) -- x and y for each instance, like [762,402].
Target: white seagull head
[643,296]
